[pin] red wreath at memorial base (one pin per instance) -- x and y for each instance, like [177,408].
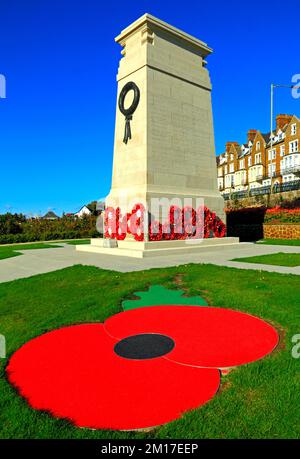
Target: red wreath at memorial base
[183,223]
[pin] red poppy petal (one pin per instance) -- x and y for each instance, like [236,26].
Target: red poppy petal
[205,337]
[74,373]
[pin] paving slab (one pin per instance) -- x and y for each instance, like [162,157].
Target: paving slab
[39,261]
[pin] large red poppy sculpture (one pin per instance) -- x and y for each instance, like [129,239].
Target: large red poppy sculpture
[141,368]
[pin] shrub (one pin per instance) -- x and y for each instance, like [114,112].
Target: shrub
[282,215]
[16,228]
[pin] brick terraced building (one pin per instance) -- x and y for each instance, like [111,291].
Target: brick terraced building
[256,168]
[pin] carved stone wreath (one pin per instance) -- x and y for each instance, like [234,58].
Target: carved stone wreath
[128,112]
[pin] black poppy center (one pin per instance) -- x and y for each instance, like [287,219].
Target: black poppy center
[144,346]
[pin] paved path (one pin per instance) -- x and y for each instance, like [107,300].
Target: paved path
[40,261]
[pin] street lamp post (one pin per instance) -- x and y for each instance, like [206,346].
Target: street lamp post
[273,86]
[271,131]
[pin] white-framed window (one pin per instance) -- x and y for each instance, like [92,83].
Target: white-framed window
[242,164]
[282,150]
[294,129]
[271,170]
[249,161]
[231,157]
[226,169]
[272,154]
[231,168]
[294,146]
[266,182]
[257,146]
[258,158]
[288,162]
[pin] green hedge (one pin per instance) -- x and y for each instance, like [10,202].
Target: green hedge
[14,229]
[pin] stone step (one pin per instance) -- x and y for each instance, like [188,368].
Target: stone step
[134,245]
[137,251]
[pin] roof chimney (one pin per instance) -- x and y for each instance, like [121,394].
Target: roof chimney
[282,120]
[251,134]
[228,145]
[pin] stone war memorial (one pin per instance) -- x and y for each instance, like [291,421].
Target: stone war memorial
[164,197]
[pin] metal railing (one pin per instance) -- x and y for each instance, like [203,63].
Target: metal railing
[290,170]
[287,186]
[259,178]
[260,190]
[277,188]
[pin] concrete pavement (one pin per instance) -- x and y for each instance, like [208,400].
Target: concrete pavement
[41,261]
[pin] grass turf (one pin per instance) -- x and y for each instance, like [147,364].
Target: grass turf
[278,259]
[293,242]
[78,242]
[260,400]
[12,250]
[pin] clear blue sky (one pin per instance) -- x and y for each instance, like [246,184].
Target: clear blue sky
[60,61]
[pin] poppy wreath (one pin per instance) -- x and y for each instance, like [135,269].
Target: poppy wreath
[189,221]
[182,224]
[175,215]
[136,222]
[155,231]
[110,223]
[179,231]
[189,215]
[121,230]
[167,232]
[219,228]
[189,230]
[128,215]
[200,221]
[140,368]
[214,225]
[208,223]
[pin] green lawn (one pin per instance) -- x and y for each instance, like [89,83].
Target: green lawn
[278,259]
[78,241]
[9,251]
[279,241]
[259,400]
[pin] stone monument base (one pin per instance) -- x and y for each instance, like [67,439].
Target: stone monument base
[131,248]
